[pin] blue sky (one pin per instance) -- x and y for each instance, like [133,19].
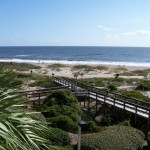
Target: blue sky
[74,22]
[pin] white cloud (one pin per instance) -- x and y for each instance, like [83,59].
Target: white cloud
[104,28]
[137,32]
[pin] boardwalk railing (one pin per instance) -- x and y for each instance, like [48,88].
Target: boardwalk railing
[136,106]
[36,96]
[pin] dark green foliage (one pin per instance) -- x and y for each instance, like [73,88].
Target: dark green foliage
[111,117]
[137,95]
[8,79]
[92,127]
[60,97]
[59,137]
[63,122]
[62,109]
[114,138]
[18,66]
[144,86]
[112,87]
[148,138]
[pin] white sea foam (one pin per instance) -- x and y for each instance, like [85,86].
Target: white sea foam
[78,62]
[22,55]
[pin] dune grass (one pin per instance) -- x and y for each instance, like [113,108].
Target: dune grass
[18,66]
[87,68]
[120,69]
[143,73]
[56,66]
[105,82]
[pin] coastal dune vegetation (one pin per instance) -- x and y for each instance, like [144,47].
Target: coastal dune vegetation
[58,114]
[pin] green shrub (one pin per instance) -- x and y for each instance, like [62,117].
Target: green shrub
[63,122]
[111,117]
[92,127]
[59,137]
[114,138]
[60,97]
[106,120]
[61,148]
[112,87]
[61,109]
[144,86]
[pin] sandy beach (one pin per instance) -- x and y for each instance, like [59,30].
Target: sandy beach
[82,72]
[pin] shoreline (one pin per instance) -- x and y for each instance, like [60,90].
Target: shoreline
[90,63]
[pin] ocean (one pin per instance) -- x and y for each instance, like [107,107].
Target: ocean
[129,56]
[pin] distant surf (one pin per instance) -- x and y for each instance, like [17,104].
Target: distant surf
[66,62]
[123,56]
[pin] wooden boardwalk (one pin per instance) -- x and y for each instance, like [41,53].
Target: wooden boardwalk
[129,104]
[135,106]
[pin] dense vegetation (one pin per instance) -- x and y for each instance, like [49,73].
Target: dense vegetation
[61,109]
[22,128]
[114,138]
[144,86]
[18,130]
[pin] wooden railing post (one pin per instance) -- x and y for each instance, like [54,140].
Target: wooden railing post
[135,121]
[148,125]
[96,103]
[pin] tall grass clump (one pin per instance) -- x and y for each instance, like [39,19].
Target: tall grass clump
[56,66]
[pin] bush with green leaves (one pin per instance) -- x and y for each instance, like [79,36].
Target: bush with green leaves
[110,115]
[63,122]
[61,108]
[114,138]
[59,137]
[144,86]
[92,127]
[112,87]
